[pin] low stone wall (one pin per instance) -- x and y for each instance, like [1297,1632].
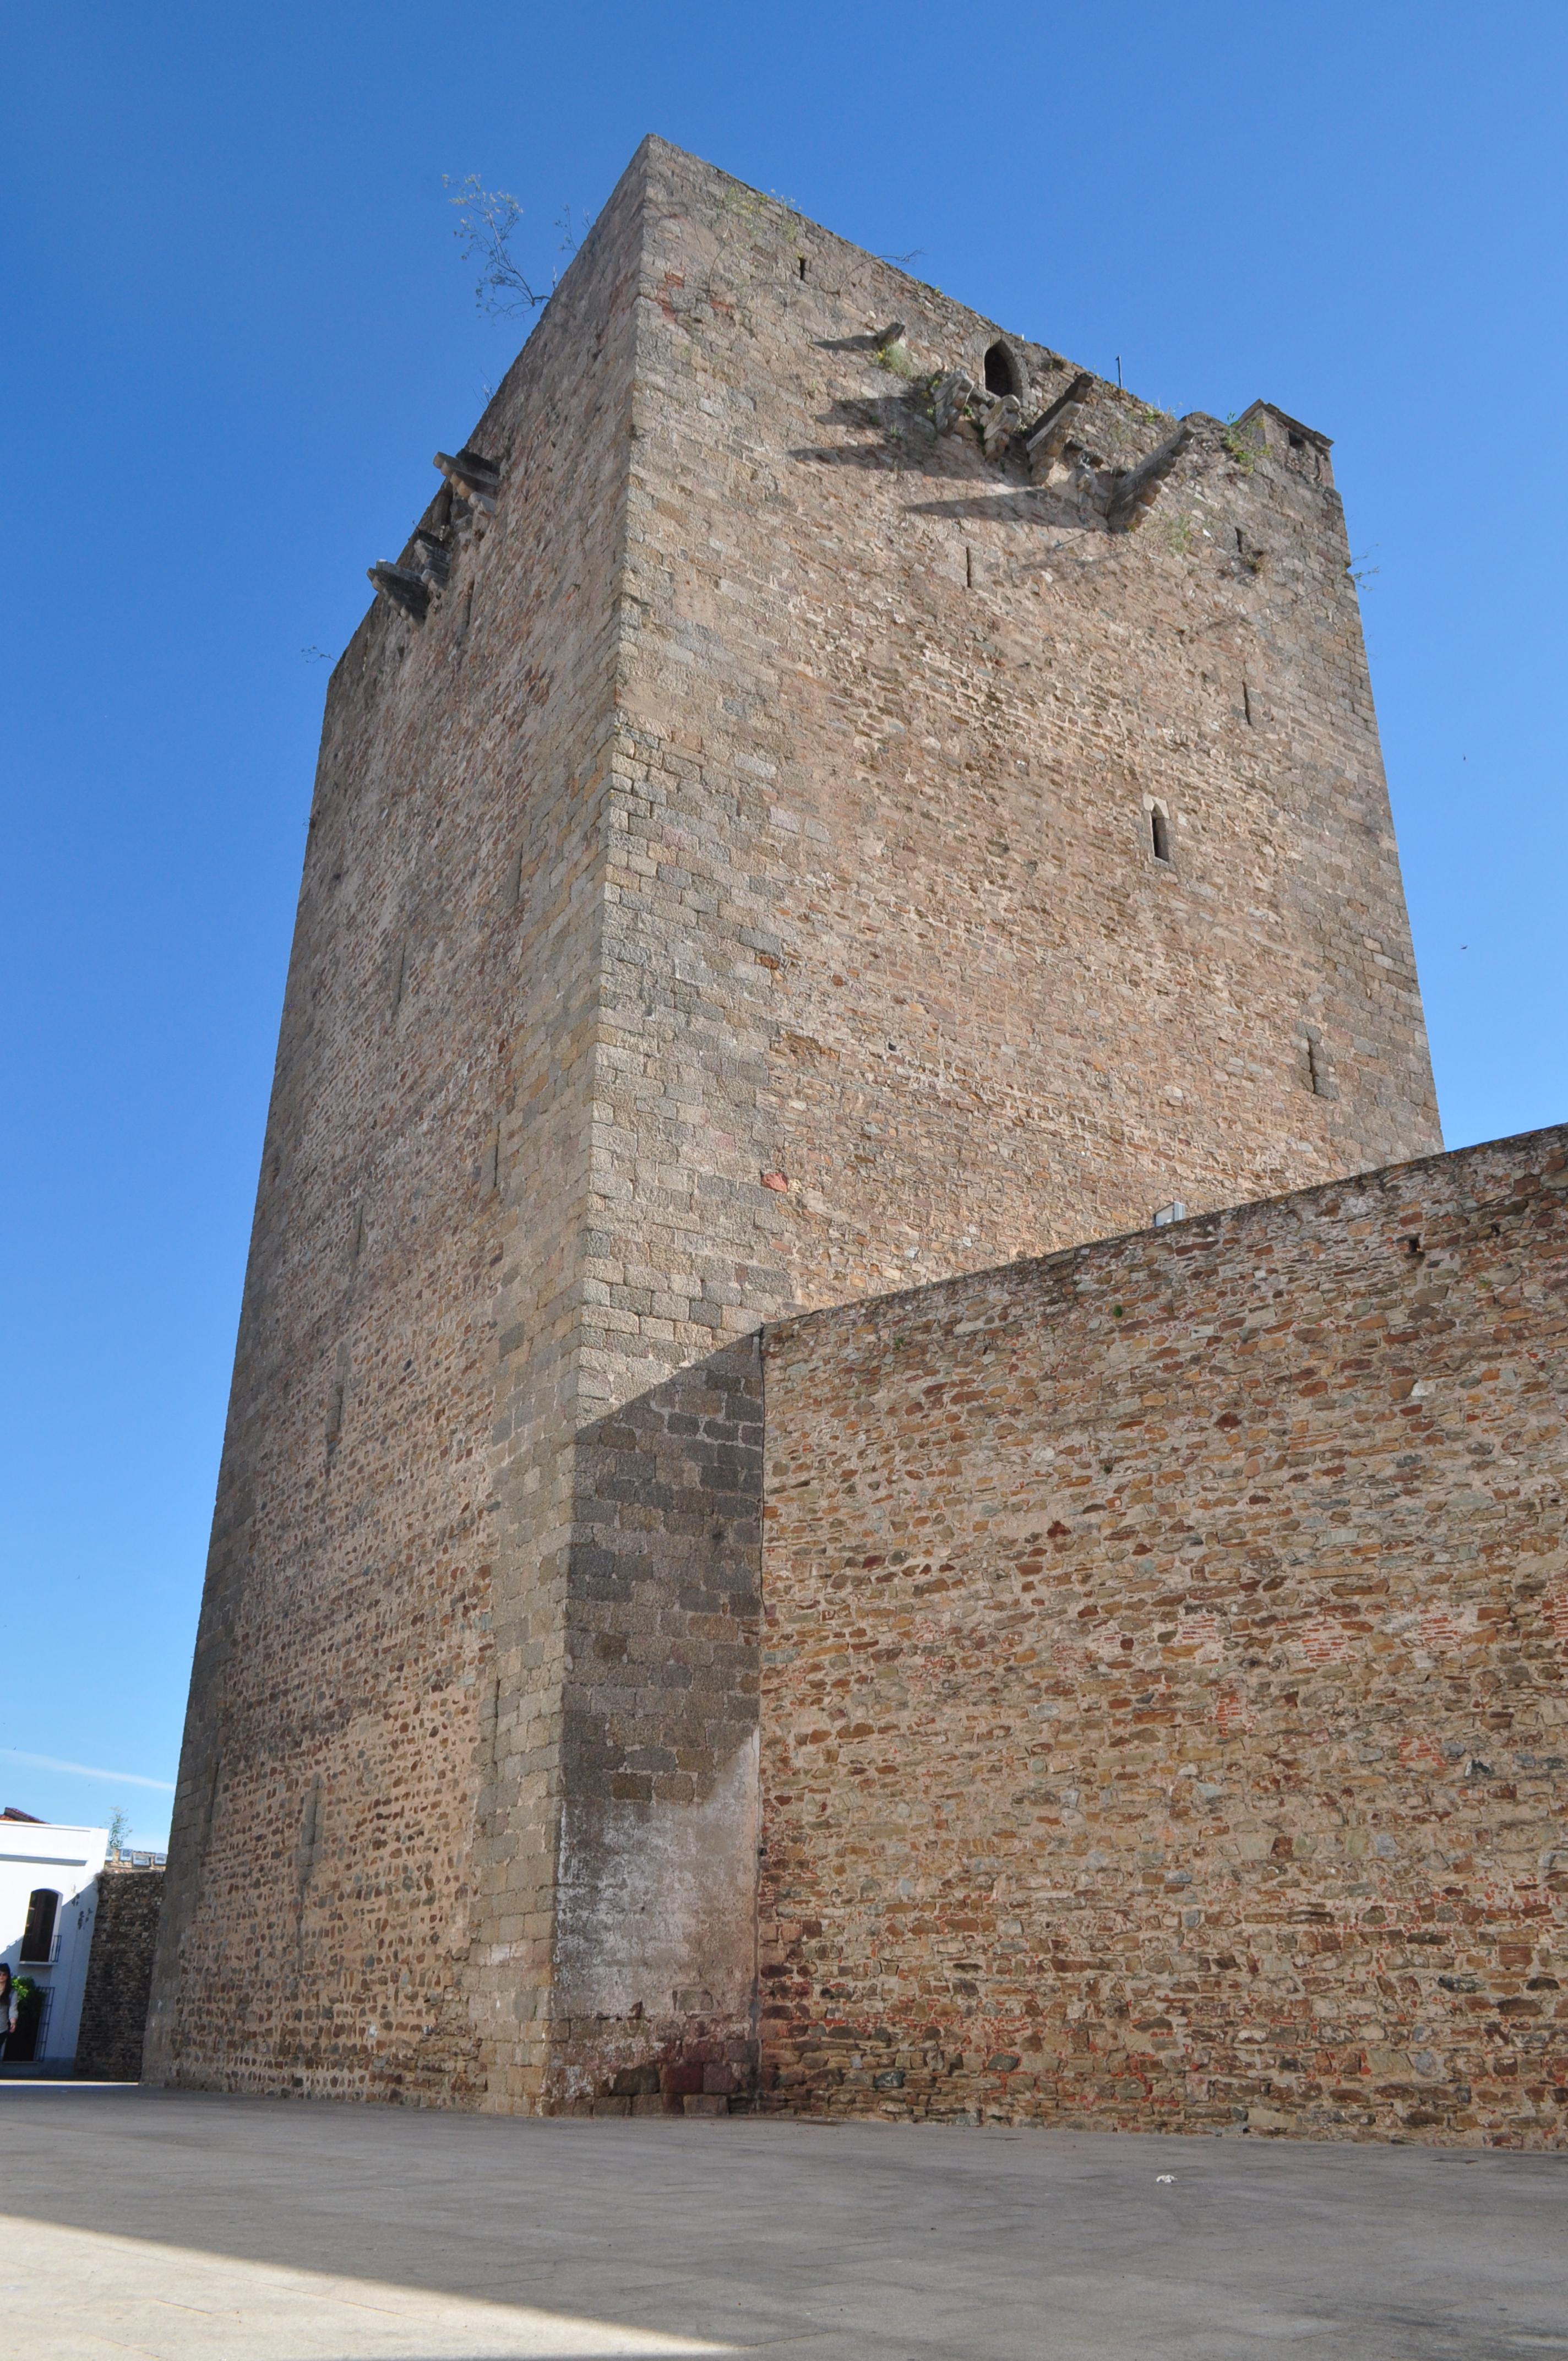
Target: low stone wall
[119,1975]
[1163,1703]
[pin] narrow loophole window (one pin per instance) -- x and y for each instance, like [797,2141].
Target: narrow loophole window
[1000,371]
[801,260]
[1160,829]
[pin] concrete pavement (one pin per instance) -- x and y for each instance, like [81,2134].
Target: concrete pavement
[254,2230]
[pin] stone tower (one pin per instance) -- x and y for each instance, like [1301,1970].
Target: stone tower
[832,798]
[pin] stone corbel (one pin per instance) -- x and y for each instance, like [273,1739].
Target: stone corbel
[1000,425]
[478,480]
[949,400]
[1136,490]
[401,588]
[1048,439]
[434,557]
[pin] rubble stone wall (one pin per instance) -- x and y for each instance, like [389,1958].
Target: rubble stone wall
[119,1975]
[1163,1720]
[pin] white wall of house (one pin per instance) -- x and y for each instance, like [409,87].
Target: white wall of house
[45,1856]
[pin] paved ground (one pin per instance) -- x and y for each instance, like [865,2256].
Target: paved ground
[253,2230]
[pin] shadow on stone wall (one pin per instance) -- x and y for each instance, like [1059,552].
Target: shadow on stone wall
[655,1968]
[119,1975]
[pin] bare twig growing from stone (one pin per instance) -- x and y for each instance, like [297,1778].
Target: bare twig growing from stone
[485,224]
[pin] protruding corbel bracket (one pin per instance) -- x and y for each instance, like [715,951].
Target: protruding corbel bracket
[1048,439]
[402,587]
[1136,489]
[477,478]
[949,397]
[886,338]
[434,557]
[1000,425]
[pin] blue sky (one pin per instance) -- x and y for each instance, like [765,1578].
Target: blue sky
[239,325]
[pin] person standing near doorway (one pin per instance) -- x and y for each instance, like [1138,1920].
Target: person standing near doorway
[8,2005]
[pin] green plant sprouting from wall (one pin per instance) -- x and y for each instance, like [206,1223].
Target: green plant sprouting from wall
[748,208]
[1177,530]
[1244,447]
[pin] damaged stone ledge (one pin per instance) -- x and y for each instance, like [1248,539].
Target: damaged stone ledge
[457,514]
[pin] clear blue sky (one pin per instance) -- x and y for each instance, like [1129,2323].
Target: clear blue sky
[238,326]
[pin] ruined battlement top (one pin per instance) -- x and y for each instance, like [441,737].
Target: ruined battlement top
[1040,419]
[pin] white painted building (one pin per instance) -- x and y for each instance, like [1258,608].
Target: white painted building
[48,1899]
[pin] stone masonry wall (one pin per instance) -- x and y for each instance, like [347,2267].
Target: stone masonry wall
[119,1975]
[1163,1705]
[894,721]
[655,1965]
[731,885]
[362,1861]
[893,985]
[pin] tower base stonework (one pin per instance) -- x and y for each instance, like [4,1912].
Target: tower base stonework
[801,822]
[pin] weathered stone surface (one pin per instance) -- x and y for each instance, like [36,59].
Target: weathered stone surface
[736,890]
[119,1974]
[1163,1713]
